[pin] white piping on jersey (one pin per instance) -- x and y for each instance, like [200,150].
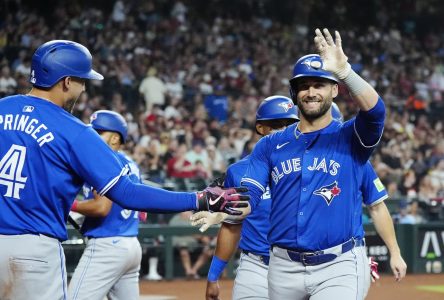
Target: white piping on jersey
[296,135]
[378,201]
[254,182]
[113,181]
[359,138]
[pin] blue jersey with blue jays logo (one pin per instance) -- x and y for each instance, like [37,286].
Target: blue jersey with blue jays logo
[119,221]
[256,226]
[314,180]
[45,156]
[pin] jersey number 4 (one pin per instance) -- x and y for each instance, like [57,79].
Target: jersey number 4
[11,166]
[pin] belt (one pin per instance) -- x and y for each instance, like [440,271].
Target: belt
[318,257]
[265,259]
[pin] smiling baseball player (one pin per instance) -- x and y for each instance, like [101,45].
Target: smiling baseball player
[251,275]
[314,170]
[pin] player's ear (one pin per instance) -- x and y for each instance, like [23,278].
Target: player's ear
[260,129]
[335,90]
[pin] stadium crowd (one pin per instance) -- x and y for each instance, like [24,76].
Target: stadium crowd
[188,76]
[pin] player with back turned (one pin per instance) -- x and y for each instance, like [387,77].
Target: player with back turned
[111,230]
[46,155]
[314,170]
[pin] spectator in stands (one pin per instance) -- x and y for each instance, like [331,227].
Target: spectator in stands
[153,89]
[178,166]
[188,244]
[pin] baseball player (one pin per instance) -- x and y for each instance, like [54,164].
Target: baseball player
[111,230]
[251,276]
[46,155]
[274,113]
[314,170]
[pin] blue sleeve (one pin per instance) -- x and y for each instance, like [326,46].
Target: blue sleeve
[94,161]
[258,172]
[370,124]
[230,180]
[373,191]
[142,197]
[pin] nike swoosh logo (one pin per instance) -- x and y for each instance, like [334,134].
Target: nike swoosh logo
[212,202]
[115,241]
[280,146]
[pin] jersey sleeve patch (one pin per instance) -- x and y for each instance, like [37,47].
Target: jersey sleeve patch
[379,185]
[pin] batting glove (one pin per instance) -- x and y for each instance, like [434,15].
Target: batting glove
[373,269]
[217,199]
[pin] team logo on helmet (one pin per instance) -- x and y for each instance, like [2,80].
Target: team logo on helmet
[93,117]
[312,63]
[328,192]
[286,105]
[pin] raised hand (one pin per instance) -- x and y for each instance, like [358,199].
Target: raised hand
[333,57]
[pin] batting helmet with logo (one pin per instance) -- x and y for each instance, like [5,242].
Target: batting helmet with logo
[308,66]
[276,107]
[106,120]
[57,59]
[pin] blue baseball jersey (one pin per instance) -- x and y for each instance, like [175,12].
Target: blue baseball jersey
[256,226]
[46,154]
[314,180]
[119,221]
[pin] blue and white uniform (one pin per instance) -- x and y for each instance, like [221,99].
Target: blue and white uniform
[251,276]
[315,180]
[46,155]
[103,270]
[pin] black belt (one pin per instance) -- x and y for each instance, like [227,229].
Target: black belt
[322,256]
[265,259]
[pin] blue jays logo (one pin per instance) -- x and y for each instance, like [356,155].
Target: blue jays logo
[315,64]
[328,192]
[286,105]
[93,117]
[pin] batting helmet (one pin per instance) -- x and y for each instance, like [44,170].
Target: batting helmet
[59,58]
[335,112]
[276,107]
[309,66]
[107,120]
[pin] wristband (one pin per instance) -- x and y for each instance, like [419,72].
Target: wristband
[216,269]
[355,84]
[74,205]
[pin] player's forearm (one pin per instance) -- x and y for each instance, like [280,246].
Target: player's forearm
[361,91]
[94,208]
[227,240]
[135,196]
[384,226]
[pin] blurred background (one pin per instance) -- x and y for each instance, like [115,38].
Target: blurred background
[188,76]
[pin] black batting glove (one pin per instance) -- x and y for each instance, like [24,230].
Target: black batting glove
[218,199]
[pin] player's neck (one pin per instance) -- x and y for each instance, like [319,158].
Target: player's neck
[314,125]
[48,95]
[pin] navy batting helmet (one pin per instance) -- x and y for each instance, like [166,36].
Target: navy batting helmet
[276,107]
[106,120]
[59,58]
[309,66]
